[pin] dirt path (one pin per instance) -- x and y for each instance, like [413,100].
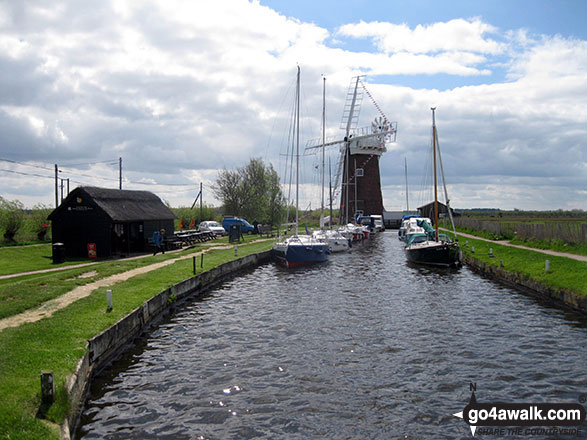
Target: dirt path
[47,309]
[543,251]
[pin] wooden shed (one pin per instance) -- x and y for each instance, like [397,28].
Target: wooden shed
[109,221]
[428,210]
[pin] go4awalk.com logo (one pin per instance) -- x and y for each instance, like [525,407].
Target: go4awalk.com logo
[532,419]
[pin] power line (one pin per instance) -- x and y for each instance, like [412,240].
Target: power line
[27,174]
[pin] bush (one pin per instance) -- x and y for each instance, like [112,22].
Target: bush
[39,224]
[11,217]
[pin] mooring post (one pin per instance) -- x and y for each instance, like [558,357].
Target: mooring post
[47,387]
[473,249]
[491,252]
[109,300]
[235,251]
[467,243]
[194,263]
[202,260]
[501,263]
[547,266]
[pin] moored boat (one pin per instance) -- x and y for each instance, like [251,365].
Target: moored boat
[299,250]
[429,246]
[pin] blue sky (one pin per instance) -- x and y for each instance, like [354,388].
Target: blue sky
[180,89]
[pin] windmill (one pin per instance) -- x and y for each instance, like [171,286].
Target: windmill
[360,150]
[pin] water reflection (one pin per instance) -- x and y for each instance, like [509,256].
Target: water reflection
[363,346]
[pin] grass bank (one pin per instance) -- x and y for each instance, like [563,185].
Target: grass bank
[59,342]
[564,274]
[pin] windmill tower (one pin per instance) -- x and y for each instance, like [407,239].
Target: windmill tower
[360,151]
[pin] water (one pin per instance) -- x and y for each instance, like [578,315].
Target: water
[365,346]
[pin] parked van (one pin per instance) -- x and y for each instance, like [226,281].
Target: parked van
[246,227]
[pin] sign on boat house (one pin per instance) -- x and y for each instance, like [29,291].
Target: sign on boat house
[103,222]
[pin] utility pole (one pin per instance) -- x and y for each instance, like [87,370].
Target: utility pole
[56,186]
[120,173]
[61,189]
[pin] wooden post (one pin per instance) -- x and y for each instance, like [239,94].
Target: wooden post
[47,387]
[547,266]
[194,263]
[202,260]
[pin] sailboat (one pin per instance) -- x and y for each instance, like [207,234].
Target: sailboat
[334,239]
[299,250]
[430,246]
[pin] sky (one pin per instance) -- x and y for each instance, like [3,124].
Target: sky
[182,89]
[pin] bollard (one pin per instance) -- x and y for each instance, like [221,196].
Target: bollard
[235,251]
[109,300]
[47,387]
[491,252]
[194,263]
[202,260]
[467,243]
[501,263]
[473,249]
[547,266]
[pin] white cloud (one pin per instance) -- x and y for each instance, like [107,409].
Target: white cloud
[181,89]
[453,36]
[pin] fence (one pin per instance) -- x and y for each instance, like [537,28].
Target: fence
[569,232]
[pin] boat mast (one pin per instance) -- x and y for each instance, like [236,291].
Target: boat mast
[406,172]
[330,193]
[435,182]
[297,146]
[323,146]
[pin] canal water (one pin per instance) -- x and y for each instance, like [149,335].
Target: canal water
[364,346]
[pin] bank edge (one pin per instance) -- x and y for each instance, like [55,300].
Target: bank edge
[110,343]
[524,282]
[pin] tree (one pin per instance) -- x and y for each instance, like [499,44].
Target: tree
[252,192]
[11,217]
[38,220]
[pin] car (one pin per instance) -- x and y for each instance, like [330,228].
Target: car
[246,227]
[212,226]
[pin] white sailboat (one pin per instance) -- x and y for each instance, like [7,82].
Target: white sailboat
[299,250]
[335,240]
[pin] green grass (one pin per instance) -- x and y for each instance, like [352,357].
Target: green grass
[23,293]
[16,259]
[565,273]
[59,342]
[554,245]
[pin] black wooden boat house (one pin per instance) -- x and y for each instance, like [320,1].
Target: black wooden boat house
[103,222]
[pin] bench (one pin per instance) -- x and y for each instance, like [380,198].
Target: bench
[265,230]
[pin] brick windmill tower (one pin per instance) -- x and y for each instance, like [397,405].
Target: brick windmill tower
[360,151]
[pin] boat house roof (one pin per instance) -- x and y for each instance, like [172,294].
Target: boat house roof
[119,205]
